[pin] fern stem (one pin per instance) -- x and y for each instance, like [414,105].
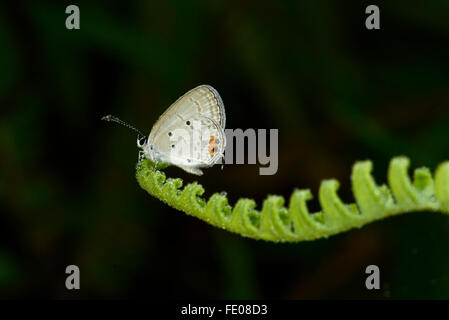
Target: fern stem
[277,223]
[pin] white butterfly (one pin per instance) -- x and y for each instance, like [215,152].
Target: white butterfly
[189,134]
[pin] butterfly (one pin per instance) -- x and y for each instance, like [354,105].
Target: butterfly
[189,134]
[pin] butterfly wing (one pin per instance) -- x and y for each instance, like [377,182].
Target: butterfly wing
[190,134]
[202,100]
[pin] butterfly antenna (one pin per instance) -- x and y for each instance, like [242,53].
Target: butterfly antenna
[123,123]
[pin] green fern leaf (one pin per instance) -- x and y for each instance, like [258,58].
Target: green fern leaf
[277,223]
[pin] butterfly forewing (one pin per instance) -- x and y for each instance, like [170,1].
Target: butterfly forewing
[202,100]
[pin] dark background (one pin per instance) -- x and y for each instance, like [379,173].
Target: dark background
[336,91]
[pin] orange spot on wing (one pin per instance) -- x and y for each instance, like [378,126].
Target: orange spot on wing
[212,145]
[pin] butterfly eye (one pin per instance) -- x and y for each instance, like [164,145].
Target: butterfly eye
[169,134]
[142,141]
[188,123]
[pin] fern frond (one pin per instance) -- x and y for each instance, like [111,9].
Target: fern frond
[277,223]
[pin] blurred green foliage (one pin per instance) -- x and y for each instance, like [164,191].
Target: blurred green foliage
[336,91]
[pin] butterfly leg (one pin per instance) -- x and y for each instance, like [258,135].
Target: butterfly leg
[140,158]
